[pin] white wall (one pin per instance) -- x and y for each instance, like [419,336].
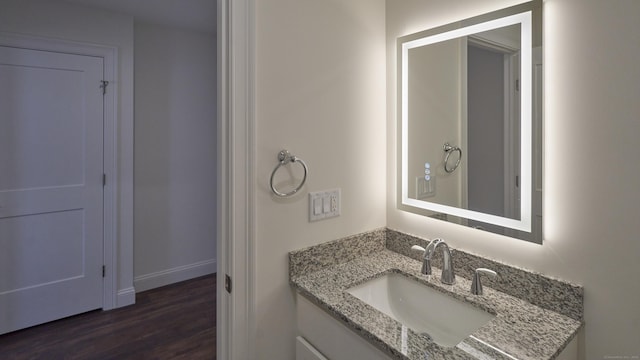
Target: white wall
[75,23]
[320,90]
[591,200]
[175,152]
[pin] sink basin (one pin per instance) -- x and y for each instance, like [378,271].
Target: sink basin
[424,310]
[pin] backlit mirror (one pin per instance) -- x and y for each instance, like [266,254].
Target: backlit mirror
[470,122]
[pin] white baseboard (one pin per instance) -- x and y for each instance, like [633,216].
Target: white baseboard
[177,274]
[126,297]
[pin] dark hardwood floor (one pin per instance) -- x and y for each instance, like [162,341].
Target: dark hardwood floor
[173,322]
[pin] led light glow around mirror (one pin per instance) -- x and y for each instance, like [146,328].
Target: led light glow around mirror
[525,221]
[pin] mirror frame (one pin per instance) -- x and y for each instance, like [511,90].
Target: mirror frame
[523,15]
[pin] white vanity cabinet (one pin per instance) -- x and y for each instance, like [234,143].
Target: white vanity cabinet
[306,351]
[323,337]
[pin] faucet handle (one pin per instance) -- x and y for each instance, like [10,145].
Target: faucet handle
[476,284]
[426,263]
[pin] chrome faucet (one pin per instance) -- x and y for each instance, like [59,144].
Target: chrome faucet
[448,276]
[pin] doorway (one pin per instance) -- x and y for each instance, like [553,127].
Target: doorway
[493,115]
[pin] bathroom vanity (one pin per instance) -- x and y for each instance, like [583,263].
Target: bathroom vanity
[528,316]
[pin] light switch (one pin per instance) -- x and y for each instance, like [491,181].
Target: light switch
[425,187]
[324,204]
[317,206]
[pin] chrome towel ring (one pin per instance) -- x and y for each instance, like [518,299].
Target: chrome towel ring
[448,149]
[284,157]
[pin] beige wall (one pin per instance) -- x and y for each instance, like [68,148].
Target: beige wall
[591,200]
[320,89]
[434,117]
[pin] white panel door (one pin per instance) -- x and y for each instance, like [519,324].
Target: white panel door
[51,202]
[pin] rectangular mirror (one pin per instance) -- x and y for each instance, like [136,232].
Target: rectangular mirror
[470,122]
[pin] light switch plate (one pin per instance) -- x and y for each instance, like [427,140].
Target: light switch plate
[328,201]
[425,189]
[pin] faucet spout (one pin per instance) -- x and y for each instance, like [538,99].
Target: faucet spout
[448,275]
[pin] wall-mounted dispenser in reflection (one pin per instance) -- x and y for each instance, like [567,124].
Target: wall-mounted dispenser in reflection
[426,186]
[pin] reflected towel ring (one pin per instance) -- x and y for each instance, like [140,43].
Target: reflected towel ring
[448,149]
[285,157]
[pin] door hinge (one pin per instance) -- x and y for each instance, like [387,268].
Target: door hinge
[227,283]
[104,270]
[517,84]
[104,180]
[103,86]
[517,181]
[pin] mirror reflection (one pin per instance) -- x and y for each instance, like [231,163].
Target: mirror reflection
[472,171]
[470,120]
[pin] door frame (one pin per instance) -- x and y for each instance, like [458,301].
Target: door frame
[511,134]
[236,183]
[110,143]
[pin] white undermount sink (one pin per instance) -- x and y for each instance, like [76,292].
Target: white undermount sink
[425,310]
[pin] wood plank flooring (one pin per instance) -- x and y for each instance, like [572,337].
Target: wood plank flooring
[172,322]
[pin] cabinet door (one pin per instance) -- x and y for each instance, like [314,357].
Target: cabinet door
[332,338]
[306,351]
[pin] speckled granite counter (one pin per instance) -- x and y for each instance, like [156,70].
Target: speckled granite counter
[520,329]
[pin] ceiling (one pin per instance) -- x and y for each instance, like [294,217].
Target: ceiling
[197,15]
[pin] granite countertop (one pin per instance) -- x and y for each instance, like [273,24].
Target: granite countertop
[519,330]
